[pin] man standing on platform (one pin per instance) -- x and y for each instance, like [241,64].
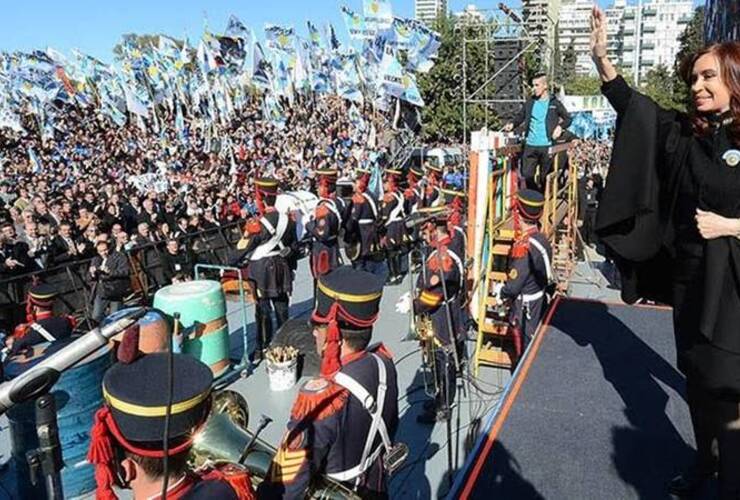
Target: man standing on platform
[112,276]
[530,271]
[269,247]
[544,118]
[342,424]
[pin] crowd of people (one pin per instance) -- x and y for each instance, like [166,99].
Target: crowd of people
[133,185]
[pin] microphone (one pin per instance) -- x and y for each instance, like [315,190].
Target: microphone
[39,379]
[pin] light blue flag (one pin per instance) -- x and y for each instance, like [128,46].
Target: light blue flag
[237,29]
[411,90]
[355,24]
[261,68]
[34,162]
[279,37]
[391,73]
[375,186]
[314,36]
[180,124]
[378,14]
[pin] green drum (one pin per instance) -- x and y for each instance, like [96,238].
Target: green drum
[202,308]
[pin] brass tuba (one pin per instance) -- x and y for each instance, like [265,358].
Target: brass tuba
[224,437]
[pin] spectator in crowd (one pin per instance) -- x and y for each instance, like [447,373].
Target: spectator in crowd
[110,272]
[177,263]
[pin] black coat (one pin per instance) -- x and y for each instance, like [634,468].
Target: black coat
[114,284]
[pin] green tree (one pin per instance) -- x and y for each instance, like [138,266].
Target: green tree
[569,62]
[691,41]
[658,85]
[583,85]
[442,87]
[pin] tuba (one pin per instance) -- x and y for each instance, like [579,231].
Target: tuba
[224,438]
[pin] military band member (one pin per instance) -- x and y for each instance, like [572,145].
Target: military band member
[530,270]
[414,190]
[126,440]
[269,246]
[438,289]
[431,195]
[363,227]
[328,218]
[41,324]
[455,204]
[343,423]
[392,214]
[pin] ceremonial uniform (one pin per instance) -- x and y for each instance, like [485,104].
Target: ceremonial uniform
[343,423]
[269,247]
[41,325]
[132,422]
[456,220]
[362,227]
[392,215]
[439,287]
[328,219]
[431,194]
[530,272]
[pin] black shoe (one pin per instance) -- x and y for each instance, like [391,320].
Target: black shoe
[689,483]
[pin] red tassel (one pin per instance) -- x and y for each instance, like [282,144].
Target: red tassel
[100,454]
[331,363]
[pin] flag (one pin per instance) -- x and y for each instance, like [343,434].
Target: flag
[378,14]
[391,73]
[34,162]
[279,37]
[355,24]
[133,103]
[313,35]
[375,185]
[9,119]
[411,90]
[180,124]
[261,69]
[237,29]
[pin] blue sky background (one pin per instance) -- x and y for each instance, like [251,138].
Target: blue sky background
[94,26]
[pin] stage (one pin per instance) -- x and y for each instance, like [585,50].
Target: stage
[595,410]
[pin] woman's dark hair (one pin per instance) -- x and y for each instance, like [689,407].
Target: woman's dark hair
[728,55]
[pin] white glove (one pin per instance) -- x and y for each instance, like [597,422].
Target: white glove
[403,306]
[496,292]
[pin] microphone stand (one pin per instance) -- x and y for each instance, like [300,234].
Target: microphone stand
[47,458]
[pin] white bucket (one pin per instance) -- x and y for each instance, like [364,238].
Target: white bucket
[282,375]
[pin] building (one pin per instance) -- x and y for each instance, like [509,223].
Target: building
[540,21]
[641,36]
[722,21]
[471,14]
[427,11]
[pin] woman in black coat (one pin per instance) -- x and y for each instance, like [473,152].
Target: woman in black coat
[670,213]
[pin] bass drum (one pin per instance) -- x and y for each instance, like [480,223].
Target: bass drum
[301,205]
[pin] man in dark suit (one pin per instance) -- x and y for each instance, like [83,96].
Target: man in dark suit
[544,118]
[111,273]
[63,246]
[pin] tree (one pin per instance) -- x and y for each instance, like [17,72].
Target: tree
[583,85]
[442,87]
[691,41]
[569,62]
[658,85]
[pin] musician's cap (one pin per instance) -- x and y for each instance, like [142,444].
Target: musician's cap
[42,295]
[266,185]
[418,172]
[133,416]
[433,168]
[137,393]
[328,174]
[530,203]
[345,298]
[434,215]
[396,173]
[451,194]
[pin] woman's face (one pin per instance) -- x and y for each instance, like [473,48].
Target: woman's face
[710,93]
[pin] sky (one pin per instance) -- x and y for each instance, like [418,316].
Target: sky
[95,26]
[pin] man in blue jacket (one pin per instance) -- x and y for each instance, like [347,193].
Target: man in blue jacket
[545,118]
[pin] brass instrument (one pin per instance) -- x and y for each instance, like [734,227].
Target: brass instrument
[225,436]
[427,342]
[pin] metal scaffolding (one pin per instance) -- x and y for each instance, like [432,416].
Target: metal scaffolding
[495,29]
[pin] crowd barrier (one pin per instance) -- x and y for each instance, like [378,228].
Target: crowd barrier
[213,246]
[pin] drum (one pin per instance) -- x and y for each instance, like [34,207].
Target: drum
[301,205]
[202,308]
[78,395]
[154,331]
